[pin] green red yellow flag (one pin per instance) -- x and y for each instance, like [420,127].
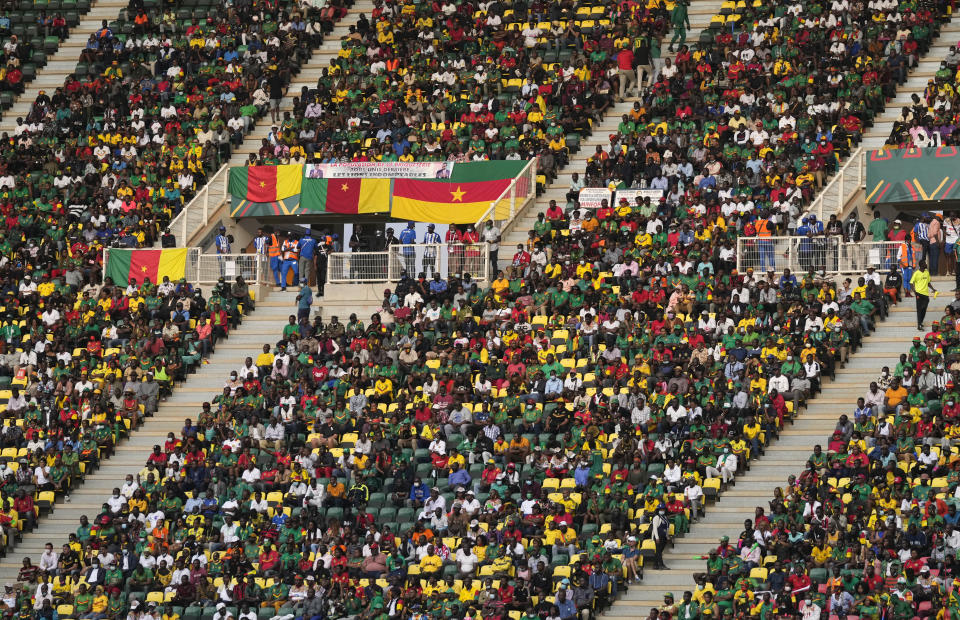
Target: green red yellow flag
[445,202]
[347,195]
[138,265]
[266,183]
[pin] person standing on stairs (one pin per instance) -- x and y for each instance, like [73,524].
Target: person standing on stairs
[273,251]
[290,252]
[308,247]
[628,77]
[920,281]
[304,301]
[680,21]
[660,532]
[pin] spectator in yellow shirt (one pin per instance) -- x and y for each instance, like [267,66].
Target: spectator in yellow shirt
[431,563]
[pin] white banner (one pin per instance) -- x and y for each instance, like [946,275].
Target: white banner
[632,194]
[592,197]
[381,170]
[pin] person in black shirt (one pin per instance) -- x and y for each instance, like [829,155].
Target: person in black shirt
[893,284]
[167,240]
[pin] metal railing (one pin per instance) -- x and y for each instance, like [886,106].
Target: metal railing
[827,254]
[850,179]
[209,268]
[196,214]
[521,189]
[390,265]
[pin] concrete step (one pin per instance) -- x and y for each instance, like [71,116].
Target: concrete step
[784,457]
[62,62]
[131,455]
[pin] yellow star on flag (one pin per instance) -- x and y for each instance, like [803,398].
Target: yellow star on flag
[458,194]
[345,187]
[262,184]
[143,268]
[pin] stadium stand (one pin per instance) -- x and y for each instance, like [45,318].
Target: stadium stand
[868,528]
[546,424]
[517,451]
[511,82]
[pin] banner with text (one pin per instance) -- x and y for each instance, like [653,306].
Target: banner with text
[381,170]
[631,195]
[593,197]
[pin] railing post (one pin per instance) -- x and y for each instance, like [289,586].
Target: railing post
[391,269]
[513,199]
[206,204]
[843,196]
[862,157]
[183,229]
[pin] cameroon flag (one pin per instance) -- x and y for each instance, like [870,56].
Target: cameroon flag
[266,183]
[137,265]
[444,202]
[353,195]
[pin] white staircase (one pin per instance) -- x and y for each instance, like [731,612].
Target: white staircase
[783,458]
[876,136]
[64,61]
[700,13]
[199,219]
[264,326]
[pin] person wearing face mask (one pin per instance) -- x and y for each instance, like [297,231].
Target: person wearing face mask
[808,609]
[726,467]
[660,531]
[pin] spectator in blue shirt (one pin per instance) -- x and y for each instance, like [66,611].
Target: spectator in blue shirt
[437,286]
[565,604]
[408,236]
[304,301]
[554,386]
[308,251]
[419,493]
[459,478]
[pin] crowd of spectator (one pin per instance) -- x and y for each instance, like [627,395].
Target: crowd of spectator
[930,120]
[521,448]
[154,107]
[750,125]
[869,528]
[108,159]
[497,81]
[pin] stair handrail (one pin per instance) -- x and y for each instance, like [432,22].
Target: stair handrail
[523,186]
[179,225]
[849,180]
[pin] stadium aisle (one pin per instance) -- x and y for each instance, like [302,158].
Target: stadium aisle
[916,84]
[63,61]
[783,458]
[257,328]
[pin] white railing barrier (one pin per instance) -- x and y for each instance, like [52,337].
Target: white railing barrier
[196,213]
[850,179]
[800,254]
[207,269]
[391,264]
[522,188]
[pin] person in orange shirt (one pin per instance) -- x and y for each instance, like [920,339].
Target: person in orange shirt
[894,397]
